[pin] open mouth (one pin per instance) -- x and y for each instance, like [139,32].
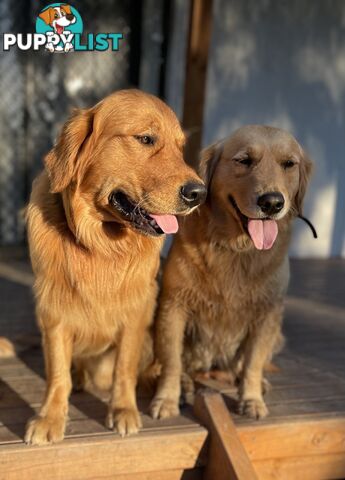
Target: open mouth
[59,29]
[242,218]
[140,219]
[262,231]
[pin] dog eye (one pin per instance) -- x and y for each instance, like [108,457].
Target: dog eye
[288,164]
[247,161]
[145,139]
[56,16]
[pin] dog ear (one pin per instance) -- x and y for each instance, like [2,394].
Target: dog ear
[48,15]
[66,9]
[63,161]
[209,159]
[305,170]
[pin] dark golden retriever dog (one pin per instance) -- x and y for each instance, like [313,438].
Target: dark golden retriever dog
[111,188]
[227,272]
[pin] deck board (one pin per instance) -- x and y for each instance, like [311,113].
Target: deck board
[307,395]
[95,456]
[298,391]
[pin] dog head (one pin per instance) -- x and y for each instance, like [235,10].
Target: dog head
[257,181]
[58,17]
[121,163]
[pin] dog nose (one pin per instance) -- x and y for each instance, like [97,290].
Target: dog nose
[193,194]
[70,16]
[271,202]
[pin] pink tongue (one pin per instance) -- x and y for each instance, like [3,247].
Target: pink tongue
[263,233]
[59,29]
[168,223]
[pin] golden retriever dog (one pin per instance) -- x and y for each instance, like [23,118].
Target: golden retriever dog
[227,272]
[111,188]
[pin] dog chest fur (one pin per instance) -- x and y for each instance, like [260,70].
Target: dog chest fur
[92,288]
[229,293]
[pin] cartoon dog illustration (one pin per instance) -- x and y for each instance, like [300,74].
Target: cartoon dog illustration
[58,18]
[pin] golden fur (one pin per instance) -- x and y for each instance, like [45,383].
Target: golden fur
[95,282]
[222,300]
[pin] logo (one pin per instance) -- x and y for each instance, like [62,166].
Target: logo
[59,28]
[59,23]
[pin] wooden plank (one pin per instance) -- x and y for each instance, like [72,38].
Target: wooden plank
[16,371]
[102,457]
[195,474]
[317,467]
[87,428]
[227,458]
[15,274]
[265,444]
[314,306]
[293,439]
[94,410]
[196,73]
[8,435]
[279,382]
[293,412]
[306,393]
[84,424]
[298,412]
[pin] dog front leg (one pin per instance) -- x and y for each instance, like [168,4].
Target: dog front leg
[123,414]
[258,350]
[170,327]
[49,425]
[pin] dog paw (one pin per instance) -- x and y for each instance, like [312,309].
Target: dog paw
[50,47]
[45,430]
[253,408]
[164,408]
[68,47]
[125,421]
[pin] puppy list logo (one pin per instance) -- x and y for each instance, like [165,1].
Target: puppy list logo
[59,23]
[59,28]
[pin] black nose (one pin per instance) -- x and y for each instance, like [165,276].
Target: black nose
[193,194]
[70,16]
[271,202]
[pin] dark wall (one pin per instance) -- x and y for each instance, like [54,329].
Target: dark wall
[39,89]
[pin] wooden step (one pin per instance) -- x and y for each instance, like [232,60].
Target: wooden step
[227,458]
[309,449]
[146,455]
[306,450]
[303,437]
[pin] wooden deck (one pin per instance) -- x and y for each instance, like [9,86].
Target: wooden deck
[303,438]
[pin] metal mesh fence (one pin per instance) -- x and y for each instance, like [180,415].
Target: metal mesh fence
[38,90]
